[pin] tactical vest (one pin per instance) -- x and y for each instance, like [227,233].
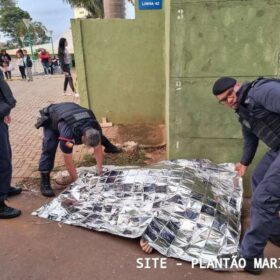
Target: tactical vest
[73,115]
[263,123]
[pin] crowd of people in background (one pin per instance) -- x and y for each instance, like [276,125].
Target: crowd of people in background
[20,63]
[5,63]
[51,65]
[24,63]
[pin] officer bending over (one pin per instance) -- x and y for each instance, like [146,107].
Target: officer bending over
[69,124]
[257,105]
[7,102]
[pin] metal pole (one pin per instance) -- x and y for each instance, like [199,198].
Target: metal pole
[52,47]
[51,33]
[30,44]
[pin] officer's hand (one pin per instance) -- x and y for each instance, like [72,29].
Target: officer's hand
[240,169]
[64,180]
[7,119]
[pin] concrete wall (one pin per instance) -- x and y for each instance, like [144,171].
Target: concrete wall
[121,66]
[209,39]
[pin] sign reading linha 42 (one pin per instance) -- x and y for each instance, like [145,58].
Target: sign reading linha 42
[150,4]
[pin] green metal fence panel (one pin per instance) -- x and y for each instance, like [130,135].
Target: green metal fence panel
[209,39]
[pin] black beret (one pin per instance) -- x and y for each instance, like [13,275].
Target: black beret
[222,84]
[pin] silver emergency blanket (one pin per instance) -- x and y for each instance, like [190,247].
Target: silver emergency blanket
[185,208]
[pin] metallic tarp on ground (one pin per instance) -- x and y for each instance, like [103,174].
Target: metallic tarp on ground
[185,208]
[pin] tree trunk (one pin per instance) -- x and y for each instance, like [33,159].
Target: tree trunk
[114,8]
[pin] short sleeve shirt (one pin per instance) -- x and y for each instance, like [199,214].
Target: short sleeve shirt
[65,131]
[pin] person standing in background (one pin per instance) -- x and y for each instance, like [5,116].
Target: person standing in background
[20,63]
[65,61]
[28,65]
[5,61]
[45,57]
[55,65]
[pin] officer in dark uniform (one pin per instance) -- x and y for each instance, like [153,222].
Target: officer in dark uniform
[1,74]
[257,105]
[69,124]
[7,102]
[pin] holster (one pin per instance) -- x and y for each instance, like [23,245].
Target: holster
[44,119]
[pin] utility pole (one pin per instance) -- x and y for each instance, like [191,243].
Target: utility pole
[26,22]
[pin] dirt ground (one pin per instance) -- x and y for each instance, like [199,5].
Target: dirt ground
[32,248]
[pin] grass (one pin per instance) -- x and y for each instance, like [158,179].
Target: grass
[136,157]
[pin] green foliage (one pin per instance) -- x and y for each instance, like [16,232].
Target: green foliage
[94,7]
[11,21]
[7,3]
[10,18]
[12,26]
[38,33]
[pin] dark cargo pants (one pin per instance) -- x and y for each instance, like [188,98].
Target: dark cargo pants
[5,161]
[265,206]
[49,146]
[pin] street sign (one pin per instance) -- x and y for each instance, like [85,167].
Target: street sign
[150,4]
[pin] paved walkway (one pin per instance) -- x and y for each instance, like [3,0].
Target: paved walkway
[26,140]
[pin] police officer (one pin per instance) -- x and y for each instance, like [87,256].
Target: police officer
[69,124]
[257,105]
[7,102]
[1,74]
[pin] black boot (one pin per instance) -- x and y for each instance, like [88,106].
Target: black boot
[46,188]
[14,191]
[275,241]
[7,212]
[109,147]
[251,267]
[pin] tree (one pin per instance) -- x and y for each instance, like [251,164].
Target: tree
[38,33]
[10,21]
[12,26]
[7,3]
[114,8]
